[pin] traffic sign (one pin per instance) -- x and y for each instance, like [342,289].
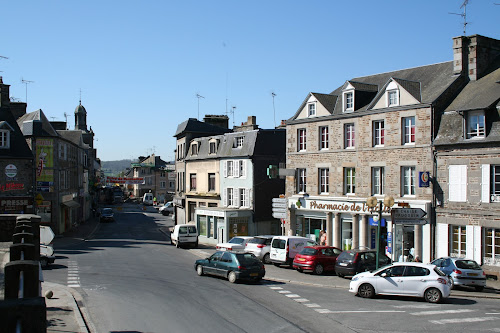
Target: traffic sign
[281,200]
[279,205]
[415,222]
[279,215]
[407,213]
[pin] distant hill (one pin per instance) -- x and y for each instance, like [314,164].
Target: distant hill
[114,168]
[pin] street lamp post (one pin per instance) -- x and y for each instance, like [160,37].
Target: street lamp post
[372,202]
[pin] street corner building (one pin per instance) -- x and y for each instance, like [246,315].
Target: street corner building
[427,136]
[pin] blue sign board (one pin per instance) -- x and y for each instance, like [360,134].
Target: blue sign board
[374,223]
[423,179]
[389,242]
[372,238]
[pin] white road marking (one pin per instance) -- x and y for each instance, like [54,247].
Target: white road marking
[368,311]
[301,300]
[323,310]
[284,292]
[430,313]
[73,278]
[416,306]
[292,295]
[275,288]
[463,320]
[312,305]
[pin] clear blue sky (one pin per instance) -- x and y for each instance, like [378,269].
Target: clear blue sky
[140,64]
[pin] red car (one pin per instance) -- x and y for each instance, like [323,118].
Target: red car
[316,259]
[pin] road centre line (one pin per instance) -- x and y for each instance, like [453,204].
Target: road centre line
[292,295]
[369,311]
[463,320]
[284,292]
[301,300]
[312,305]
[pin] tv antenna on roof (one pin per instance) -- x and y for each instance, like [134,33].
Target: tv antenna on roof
[232,112]
[274,109]
[199,96]
[66,117]
[26,82]
[464,14]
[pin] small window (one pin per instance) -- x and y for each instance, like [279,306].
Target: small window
[4,139]
[348,101]
[408,130]
[211,182]
[301,137]
[194,149]
[475,125]
[378,180]
[226,257]
[349,180]
[301,180]
[311,109]
[392,98]
[238,142]
[378,133]
[323,180]
[213,147]
[408,180]
[459,237]
[192,182]
[349,136]
[323,137]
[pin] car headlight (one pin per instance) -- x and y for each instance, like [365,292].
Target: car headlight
[355,278]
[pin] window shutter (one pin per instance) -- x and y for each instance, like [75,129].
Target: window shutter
[224,167]
[469,241]
[249,197]
[443,235]
[236,168]
[243,169]
[477,249]
[224,196]
[485,183]
[457,183]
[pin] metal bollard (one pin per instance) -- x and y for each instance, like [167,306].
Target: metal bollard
[28,286]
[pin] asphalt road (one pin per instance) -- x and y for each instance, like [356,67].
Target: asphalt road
[133,280]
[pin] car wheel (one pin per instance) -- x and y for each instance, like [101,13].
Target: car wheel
[177,244]
[231,277]
[452,283]
[266,259]
[44,262]
[199,270]
[433,295]
[366,290]
[299,270]
[318,270]
[340,275]
[277,265]
[196,245]
[479,288]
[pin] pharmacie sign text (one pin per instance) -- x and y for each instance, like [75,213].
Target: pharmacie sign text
[348,207]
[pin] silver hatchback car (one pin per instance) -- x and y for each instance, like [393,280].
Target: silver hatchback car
[260,246]
[462,272]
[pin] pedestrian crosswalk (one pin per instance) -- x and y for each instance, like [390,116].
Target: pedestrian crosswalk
[73,279]
[433,313]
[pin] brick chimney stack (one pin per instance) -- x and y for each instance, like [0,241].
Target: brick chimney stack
[473,55]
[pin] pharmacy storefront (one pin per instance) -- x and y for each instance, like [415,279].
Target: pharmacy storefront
[352,224]
[219,225]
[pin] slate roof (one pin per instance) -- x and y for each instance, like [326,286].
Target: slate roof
[74,136]
[425,83]
[482,94]
[47,129]
[18,146]
[193,125]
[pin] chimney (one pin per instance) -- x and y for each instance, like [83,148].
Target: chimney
[217,120]
[473,55]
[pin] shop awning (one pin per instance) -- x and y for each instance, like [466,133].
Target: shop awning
[71,204]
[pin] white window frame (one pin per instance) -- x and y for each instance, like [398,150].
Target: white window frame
[238,141]
[494,253]
[378,133]
[392,97]
[191,178]
[194,149]
[458,247]
[349,181]
[409,125]
[348,101]
[163,184]
[350,136]
[4,139]
[212,146]
[475,125]
[408,181]
[230,199]
[457,183]
[244,197]
[324,181]
[311,109]
[301,139]
[230,169]
[301,181]
[324,137]
[378,180]
[214,180]
[242,168]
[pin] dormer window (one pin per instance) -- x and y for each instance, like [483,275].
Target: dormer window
[238,142]
[392,98]
[213,147]
[194,149]
[4,139]
[311,109]
[475,125]
[348,100]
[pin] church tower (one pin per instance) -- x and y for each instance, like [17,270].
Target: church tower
[81,117]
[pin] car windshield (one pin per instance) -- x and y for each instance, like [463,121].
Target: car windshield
[237,240]
[247,259]
[467,264]
[438,271]
[107,211]
[257,240]
[346,256]
[308,251]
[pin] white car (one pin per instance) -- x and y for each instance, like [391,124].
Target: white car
[236,244]
[403,279]
[167,208]
[260,246]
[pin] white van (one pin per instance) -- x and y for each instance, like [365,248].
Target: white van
[147,199]
[284,248]
[184,234]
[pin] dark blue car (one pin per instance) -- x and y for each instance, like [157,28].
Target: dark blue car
[232,266]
